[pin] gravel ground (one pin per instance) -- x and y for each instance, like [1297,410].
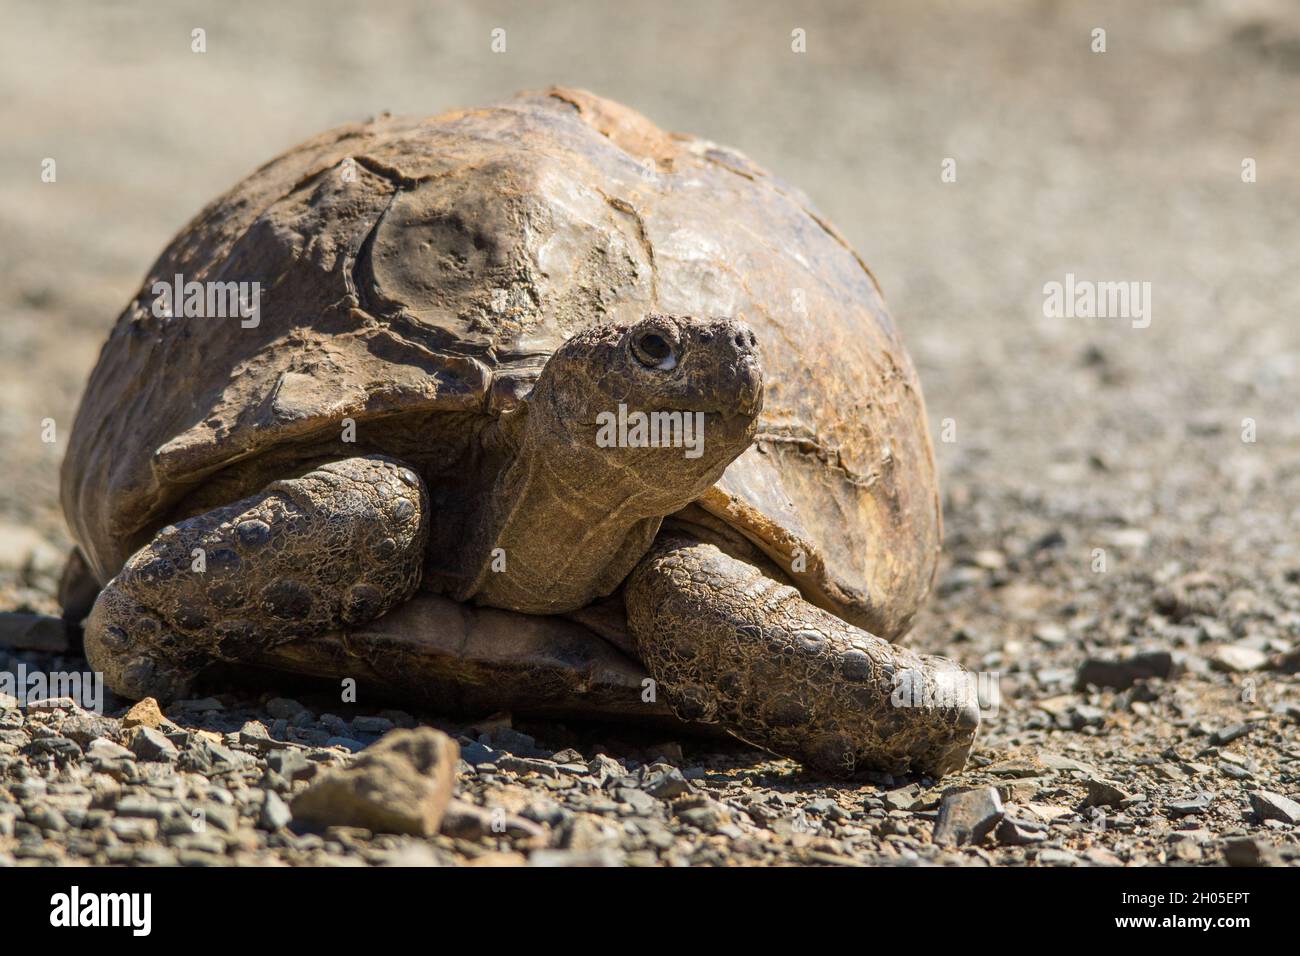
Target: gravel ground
[1120,502]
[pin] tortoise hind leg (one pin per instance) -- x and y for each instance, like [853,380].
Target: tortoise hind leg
[337,546]
[77,588]
[730,645]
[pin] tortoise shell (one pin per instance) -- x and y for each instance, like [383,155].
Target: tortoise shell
[417,273]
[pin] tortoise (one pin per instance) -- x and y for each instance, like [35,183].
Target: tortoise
[491,430]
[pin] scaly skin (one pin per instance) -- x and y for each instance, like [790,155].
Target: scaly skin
[731,646]
[339,545]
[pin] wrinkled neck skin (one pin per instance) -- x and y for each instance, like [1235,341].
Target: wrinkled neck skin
[563,524]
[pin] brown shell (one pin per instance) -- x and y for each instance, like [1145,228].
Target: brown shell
[410,266]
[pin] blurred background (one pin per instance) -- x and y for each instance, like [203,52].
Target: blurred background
[1122,165]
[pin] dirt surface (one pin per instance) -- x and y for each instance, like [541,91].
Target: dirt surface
[1109,489]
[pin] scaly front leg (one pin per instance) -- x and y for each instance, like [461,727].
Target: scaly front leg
[729,645]
[340,545]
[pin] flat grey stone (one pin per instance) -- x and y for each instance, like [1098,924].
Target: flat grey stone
[275,812]
[1122,673]
[1273,806]
[150,744]
[1103,793]
[968,817]
[33,632]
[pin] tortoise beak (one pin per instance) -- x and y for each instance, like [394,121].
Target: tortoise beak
[749,386]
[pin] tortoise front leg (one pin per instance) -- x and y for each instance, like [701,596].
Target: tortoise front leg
[729,645]
[337,546]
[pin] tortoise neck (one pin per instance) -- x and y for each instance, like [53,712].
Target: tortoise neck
[553,535]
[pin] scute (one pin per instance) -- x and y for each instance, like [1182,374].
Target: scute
[413,267]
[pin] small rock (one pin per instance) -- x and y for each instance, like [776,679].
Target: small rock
[1228,734]
[640,801]
[669,750]
[1057,858]
[346,743]
[1017,832]
[903,798]
[59,747]
[285,708]
[105,749]
[1288,663]
[968,817]
[1053,635]
[149,744]
[1047,812]
[1102,857]
[87,728]
[1189,807]
[1273,806]
[605,768]
[664,782]
[145,713]
[54,703]
[291,764]
[526,765]
[1103,793]
[206,756]
[33,632]
[402,784]
[701,812]
[468,821]
[372,725]
[1236,659]
[508,739]
[603,856]
[275,812]
[475,753]
[1197,593]
[1122,673]
[1069,714]
[1246,851]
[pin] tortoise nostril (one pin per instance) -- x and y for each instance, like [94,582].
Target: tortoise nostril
[653,351]
[752,341]
[740,339]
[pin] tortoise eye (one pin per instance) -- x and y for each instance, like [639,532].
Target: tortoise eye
[654,351]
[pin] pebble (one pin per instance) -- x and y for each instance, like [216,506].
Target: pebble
[275,812]
[290,764]
[1121,673]
[1190,806]
[286,708]
[149,744]
[1273,806]
[1228,734]
[1013,831]
[206,756]
[372,725]
[402,784]
[602,857]
[467,821]
[144,713]
[968,817]
[35,632]
[664,782]
[1246,851]
[902,798]
[1237,659]
[527,765]
[1103,793]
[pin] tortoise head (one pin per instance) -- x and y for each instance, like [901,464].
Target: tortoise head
[657,407]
